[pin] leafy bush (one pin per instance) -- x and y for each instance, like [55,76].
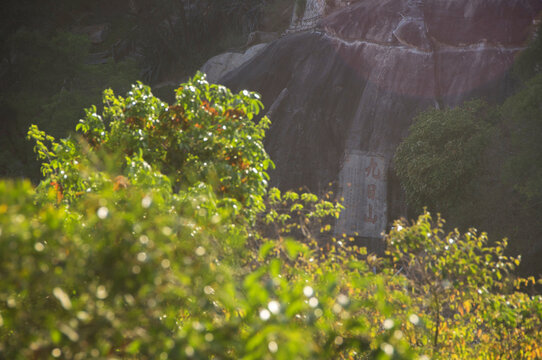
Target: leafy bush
[467,292]
[441,155]
[207,135]
[122,275]
[523,119]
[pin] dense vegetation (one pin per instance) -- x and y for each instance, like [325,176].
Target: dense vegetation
[56,57]
[480,164]
[154,236]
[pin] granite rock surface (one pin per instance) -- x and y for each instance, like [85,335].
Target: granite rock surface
[354,84]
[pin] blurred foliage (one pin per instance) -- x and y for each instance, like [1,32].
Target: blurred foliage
[117,254]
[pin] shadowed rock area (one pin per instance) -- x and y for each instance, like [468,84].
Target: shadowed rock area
[356,82]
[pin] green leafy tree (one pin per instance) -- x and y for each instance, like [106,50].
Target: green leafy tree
[208,134]
[523,119]
[441,155]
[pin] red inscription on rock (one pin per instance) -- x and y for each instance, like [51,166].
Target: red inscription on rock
[370,218]
[373,170]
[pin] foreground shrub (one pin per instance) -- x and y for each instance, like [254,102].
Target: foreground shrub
[122,274]
[467,293]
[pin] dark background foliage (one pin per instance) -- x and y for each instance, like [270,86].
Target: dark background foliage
[51,68]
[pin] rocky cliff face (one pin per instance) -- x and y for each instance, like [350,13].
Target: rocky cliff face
[350,88]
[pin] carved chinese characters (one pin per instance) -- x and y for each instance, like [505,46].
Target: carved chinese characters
[362,184]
